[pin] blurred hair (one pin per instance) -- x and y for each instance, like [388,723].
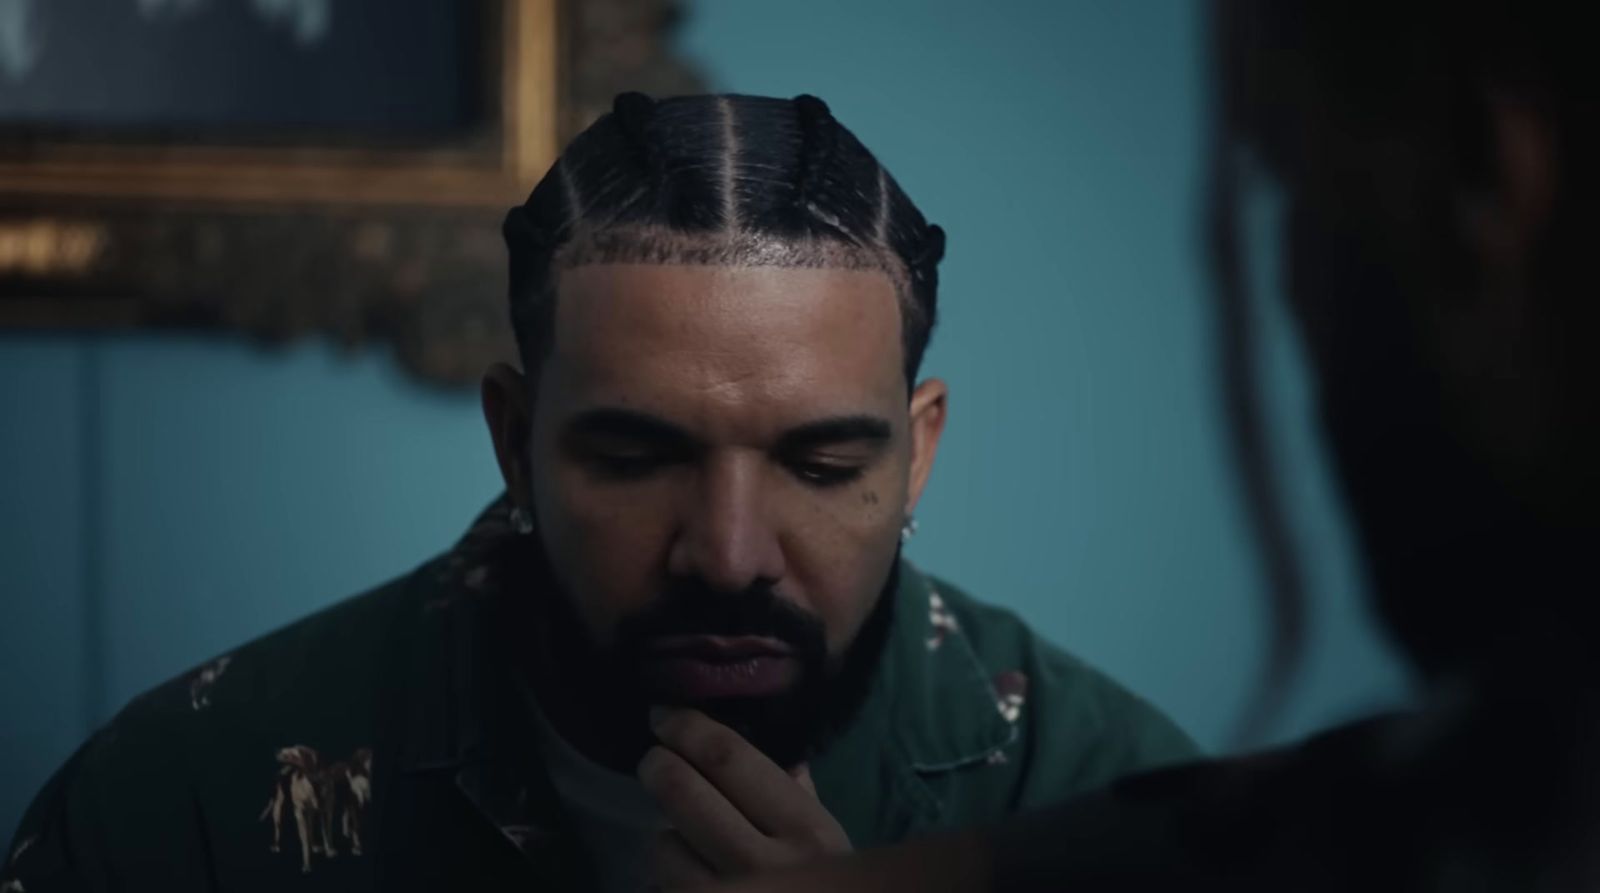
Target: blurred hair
[1290,73]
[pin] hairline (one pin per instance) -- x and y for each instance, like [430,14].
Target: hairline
[660,245]
[649,244]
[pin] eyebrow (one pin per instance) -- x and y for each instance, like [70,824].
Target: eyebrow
[627,424]
[839,429]
[639,427]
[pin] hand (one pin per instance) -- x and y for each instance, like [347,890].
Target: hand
[733,811]
[949,863]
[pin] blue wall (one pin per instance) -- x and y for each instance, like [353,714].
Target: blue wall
[1083,481]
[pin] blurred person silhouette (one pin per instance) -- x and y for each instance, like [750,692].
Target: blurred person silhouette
[1437,232]
[684,642]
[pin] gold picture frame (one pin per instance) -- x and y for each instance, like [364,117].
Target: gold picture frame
[367,243]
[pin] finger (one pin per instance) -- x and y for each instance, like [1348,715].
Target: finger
[757,786]
[713,827]
[802,775]
[674,866]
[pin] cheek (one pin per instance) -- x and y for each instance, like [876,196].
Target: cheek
[605,544]
[840,548]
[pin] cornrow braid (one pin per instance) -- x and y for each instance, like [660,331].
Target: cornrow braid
[932,252]
[735,180]
[818,140]
[633,112]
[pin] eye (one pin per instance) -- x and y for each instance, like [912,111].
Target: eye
[825,474]
[624,466]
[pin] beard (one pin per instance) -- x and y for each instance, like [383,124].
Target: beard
[599,697]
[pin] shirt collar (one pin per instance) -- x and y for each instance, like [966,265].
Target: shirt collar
[465,717]
[947,711]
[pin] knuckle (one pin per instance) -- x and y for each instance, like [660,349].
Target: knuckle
[719,750]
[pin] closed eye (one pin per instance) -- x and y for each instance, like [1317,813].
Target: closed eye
[835,451]
[624,466]
[622,445]
[826,474]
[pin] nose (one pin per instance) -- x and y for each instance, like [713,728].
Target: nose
[727,537]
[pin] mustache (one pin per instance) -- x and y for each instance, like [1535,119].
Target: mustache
[692,607]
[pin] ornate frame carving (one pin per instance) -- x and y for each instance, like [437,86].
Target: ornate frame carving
[367,245]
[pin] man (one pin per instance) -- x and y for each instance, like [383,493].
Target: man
[683,646]
[1440,221]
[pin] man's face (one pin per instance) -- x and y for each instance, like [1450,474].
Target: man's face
[721,462]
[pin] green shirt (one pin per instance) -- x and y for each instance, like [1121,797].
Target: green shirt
[377,745]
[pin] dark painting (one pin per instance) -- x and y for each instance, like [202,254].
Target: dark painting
[294,167]
[245,69]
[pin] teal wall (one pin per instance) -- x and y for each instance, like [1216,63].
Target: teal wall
[227,489]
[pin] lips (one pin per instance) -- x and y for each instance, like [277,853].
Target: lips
[703,668]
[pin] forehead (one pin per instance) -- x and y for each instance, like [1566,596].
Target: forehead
[654,334]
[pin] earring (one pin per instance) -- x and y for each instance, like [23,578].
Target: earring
[521,520]
[908,530]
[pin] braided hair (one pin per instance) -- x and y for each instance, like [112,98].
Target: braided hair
[724,180]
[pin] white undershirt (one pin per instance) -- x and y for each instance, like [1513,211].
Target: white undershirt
[614,817]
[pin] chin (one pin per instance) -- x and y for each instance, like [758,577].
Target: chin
[783,727]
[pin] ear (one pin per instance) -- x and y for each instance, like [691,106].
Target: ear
[928,406]
[510,420]
[1505,225]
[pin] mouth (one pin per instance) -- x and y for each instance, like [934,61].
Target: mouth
[703,668]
